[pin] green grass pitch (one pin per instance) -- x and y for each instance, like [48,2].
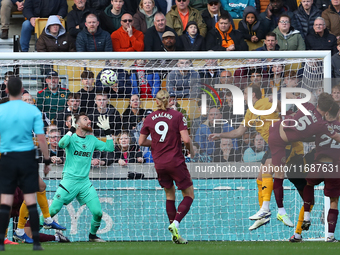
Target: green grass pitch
[165,248]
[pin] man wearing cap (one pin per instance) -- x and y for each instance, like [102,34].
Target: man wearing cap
[127,38]
[169,41]
[52,99]
[180,14]
[153,36]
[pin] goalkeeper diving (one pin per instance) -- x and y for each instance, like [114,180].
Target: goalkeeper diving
[79,146]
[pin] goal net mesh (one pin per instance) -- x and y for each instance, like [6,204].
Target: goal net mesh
[132,201]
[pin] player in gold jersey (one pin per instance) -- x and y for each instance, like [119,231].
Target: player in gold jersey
[264,179]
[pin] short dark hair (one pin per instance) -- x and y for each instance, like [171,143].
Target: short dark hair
[9,74]
[77,116]
[73,95]
[224,16]
[4,100]
[271,34]
[87,74]
[325,102]
[14,86]
[333,111]
[285,16]
[255,70]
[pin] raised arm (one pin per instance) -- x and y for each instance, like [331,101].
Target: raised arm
[236,133]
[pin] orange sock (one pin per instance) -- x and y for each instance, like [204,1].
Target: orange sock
[298,229]
[23,216]
[42,201]
[267,186]
[259,191]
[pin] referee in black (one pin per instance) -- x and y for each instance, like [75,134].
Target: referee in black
[18,162]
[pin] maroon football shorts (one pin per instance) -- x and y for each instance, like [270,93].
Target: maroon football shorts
[332,185]
[169,173]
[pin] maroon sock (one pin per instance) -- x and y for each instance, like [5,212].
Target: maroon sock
[332,219]
[171,210]
[46,238]
[183,208]
[278,192]
[308,197]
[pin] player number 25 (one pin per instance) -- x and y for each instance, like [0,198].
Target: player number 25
[162,132]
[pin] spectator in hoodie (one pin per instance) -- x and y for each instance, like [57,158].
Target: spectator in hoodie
[304,17]
[76,17]
[224,38]
[191,38]
[270,17]
[213,13]
[110,17]
[320,38]
[54,37]
[144,17]
[250,26]
[34,9]
[287,37]
[127,38]
[92,38]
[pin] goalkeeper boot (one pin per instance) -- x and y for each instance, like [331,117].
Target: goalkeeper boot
[331,240]
[293,239]
[305,225]
[96,239]
[181,240]
[62,238]
[260,214]
[23,239]
[260,222]
[285,219]
[54,225]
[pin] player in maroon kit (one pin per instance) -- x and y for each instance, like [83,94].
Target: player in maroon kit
[298,128]
[325,169]
[168,128]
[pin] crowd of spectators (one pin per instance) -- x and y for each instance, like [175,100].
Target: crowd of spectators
[164,26]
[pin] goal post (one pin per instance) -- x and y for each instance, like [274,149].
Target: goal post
[133,203]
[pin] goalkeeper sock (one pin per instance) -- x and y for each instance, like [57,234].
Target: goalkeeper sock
[278,192]
[259,191]
[42,201]
[171,210]
[4,220]
[23,215]
[183,208]
[34,222]
[96,210]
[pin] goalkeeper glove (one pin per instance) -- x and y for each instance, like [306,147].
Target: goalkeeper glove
[74,125]
[103,123]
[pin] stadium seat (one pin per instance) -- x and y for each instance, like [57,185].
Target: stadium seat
[236,21]
[70,3]
[253,46]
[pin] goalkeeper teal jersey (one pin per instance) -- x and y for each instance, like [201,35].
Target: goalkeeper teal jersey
[79,152]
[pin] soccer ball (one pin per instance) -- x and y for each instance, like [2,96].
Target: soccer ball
[108,77]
